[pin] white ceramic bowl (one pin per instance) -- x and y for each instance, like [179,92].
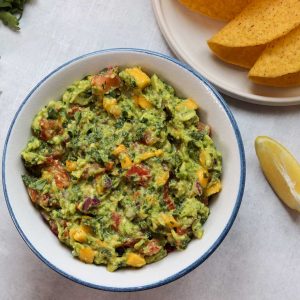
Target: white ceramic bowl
[224,207]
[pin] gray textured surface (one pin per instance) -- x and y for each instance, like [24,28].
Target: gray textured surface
[260,257]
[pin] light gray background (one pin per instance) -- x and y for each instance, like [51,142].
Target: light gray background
[259,259]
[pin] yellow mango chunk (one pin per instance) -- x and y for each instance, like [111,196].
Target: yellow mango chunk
[87,255]
[162,178]
[203,177]
[202,158]
[148,155]
[189,103]
[281,169]
[135,260]
[169,221]
[79,233]
[99,185]
[205,159]
[71,165]
[215,188]
[142,102]
[119,149]
[111,106]
[141,78]
[126,161]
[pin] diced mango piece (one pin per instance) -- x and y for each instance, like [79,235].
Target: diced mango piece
[141,78]
[99,185]
[119,149]
[147,155]
[203,177]
[86,228]
[205,159]
[188,103]
[215,188]
[126,161]
[162,178]
[87,255]
[71,165]
[111,106]
[79,233]
[135,260]
[108,103]
[169,221]
[142,102]
[99,189]
[80,236]
[116,111]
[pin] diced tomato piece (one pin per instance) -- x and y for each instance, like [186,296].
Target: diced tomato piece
[107,81]
[152,248]
[168,200]
[138,170]
[109,166]
[33,194]
[61,177]
[116,220]
[38,198]
[181,231]
[72,110]
[50,128]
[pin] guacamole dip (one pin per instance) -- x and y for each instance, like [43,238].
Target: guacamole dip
[121,168]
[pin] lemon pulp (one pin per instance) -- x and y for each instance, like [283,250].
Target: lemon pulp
[281,169]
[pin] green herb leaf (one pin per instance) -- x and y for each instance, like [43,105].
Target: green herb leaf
[11,12]
[34,183]
[9,20]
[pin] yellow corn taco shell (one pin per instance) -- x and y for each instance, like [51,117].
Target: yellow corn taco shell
[217,9]
[279,64]
[243,39]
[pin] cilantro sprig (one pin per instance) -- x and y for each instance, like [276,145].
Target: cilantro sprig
[11,12]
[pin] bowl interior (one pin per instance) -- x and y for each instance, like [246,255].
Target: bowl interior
[223,207]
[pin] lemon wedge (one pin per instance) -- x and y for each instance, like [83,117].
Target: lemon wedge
[281,169]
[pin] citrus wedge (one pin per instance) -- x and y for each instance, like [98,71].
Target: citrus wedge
[281,169]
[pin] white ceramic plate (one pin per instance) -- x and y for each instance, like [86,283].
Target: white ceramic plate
[187,32]
[224,208]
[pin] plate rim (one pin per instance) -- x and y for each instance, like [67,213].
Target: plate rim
[250,98]
[217,242]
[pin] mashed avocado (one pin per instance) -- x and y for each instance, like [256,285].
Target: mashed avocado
[121,168]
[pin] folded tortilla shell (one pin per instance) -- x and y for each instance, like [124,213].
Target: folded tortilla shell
[279,64]
[217,9]
[243,39]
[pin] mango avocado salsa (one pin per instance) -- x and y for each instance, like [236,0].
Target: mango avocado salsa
[122,168]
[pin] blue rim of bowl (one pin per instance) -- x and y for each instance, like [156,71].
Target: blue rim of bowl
[215,245]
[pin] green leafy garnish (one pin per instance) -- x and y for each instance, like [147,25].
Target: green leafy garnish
[34,183]
[11,12]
